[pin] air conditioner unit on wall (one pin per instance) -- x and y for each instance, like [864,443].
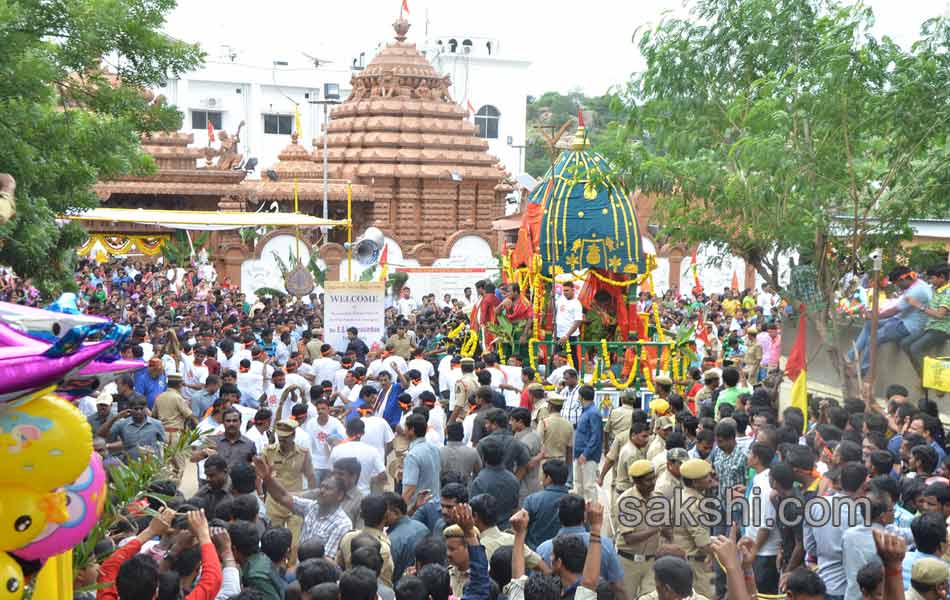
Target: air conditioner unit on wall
[213,103]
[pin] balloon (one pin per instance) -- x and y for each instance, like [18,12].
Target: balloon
[46,443]
[86,497]
[66,303]
[21,373]
[44,324]
[24,514]
[11,578]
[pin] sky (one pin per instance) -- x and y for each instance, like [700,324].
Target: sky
[586,45]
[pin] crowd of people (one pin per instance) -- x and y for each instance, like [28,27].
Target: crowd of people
[405,470]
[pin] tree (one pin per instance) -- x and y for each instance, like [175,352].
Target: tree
[553,109]
[769,127]
[72,108]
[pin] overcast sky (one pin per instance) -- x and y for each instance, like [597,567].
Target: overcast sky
[571,44]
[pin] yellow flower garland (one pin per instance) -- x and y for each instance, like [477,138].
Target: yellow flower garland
[455,332]
[610,373]
[501,353]
[533,361]
[570,355]
[468,348]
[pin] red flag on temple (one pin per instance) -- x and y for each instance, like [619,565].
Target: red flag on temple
[580,117]
[405,7]
[210,131]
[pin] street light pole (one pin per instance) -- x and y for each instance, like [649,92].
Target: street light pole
[326,182]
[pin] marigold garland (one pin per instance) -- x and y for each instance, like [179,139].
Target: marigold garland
[570,355]
[610,373]
[455,332]
[468,348]
[501,353]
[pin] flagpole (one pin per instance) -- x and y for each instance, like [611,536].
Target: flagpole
[876,273]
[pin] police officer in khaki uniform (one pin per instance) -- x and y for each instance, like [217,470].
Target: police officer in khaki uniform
[662,428]
[539,406]
[636,540]
[557,435]
[174,412]
[291,465]
[464,387]
[689,532]
[669,482]
[619,419]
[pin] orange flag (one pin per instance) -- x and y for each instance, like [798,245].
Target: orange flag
[735,281]
[210,131]
[404,8]
[795,369]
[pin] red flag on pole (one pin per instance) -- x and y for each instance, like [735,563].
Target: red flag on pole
[210,131]
[735,281]
[697,286]
[580,117]
[796,358]
[404,8]
[701,332]
[471,109]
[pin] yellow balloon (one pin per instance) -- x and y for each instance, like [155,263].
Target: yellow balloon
[25,513]
[45,443]
[11,578]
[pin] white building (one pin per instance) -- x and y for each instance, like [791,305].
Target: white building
[492,86]
[261,91]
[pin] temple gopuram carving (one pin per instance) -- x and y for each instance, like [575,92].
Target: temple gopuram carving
[402,136]
[418,172]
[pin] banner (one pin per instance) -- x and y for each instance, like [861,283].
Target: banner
[353,304]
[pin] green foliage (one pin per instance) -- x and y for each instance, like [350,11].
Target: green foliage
[285,267]
[507,333]
[368,274]
[767,127]
[272,292]
[553,109]
[770,126]
[64,124]
[395,282]
[177,250]
[129,483]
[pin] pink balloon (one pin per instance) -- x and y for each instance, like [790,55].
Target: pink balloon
[19,374]
[14,337]
[86,497]
[98,367]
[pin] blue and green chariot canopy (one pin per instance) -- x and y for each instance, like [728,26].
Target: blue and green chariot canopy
[589,221]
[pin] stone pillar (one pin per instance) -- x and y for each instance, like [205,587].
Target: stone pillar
[333,255]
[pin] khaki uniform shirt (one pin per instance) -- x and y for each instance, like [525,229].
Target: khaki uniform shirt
[667,485]
[647,547]
[289,468]
[688,536]
[494,538]
[556,435]
[540,412]
[656,445]
[623,458]
[464,387]
[402,346]
[457,580]
[618,422]
[172,410]
[343,555]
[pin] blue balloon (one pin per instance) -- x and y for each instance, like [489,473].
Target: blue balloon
[66,303]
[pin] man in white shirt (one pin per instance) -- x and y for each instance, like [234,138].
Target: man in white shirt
[294,378]
[766,300]
[340,375]
[762,529]
[372,467]
[449,373]
[325,367]
[394,364]
[195,373]
[253,378]
[422,365]
[436,431]
[568,318]
[326,431]
[406,305]
[378,433]
[560,365]
[417,385]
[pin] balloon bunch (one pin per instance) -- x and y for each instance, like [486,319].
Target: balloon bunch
[52,486]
